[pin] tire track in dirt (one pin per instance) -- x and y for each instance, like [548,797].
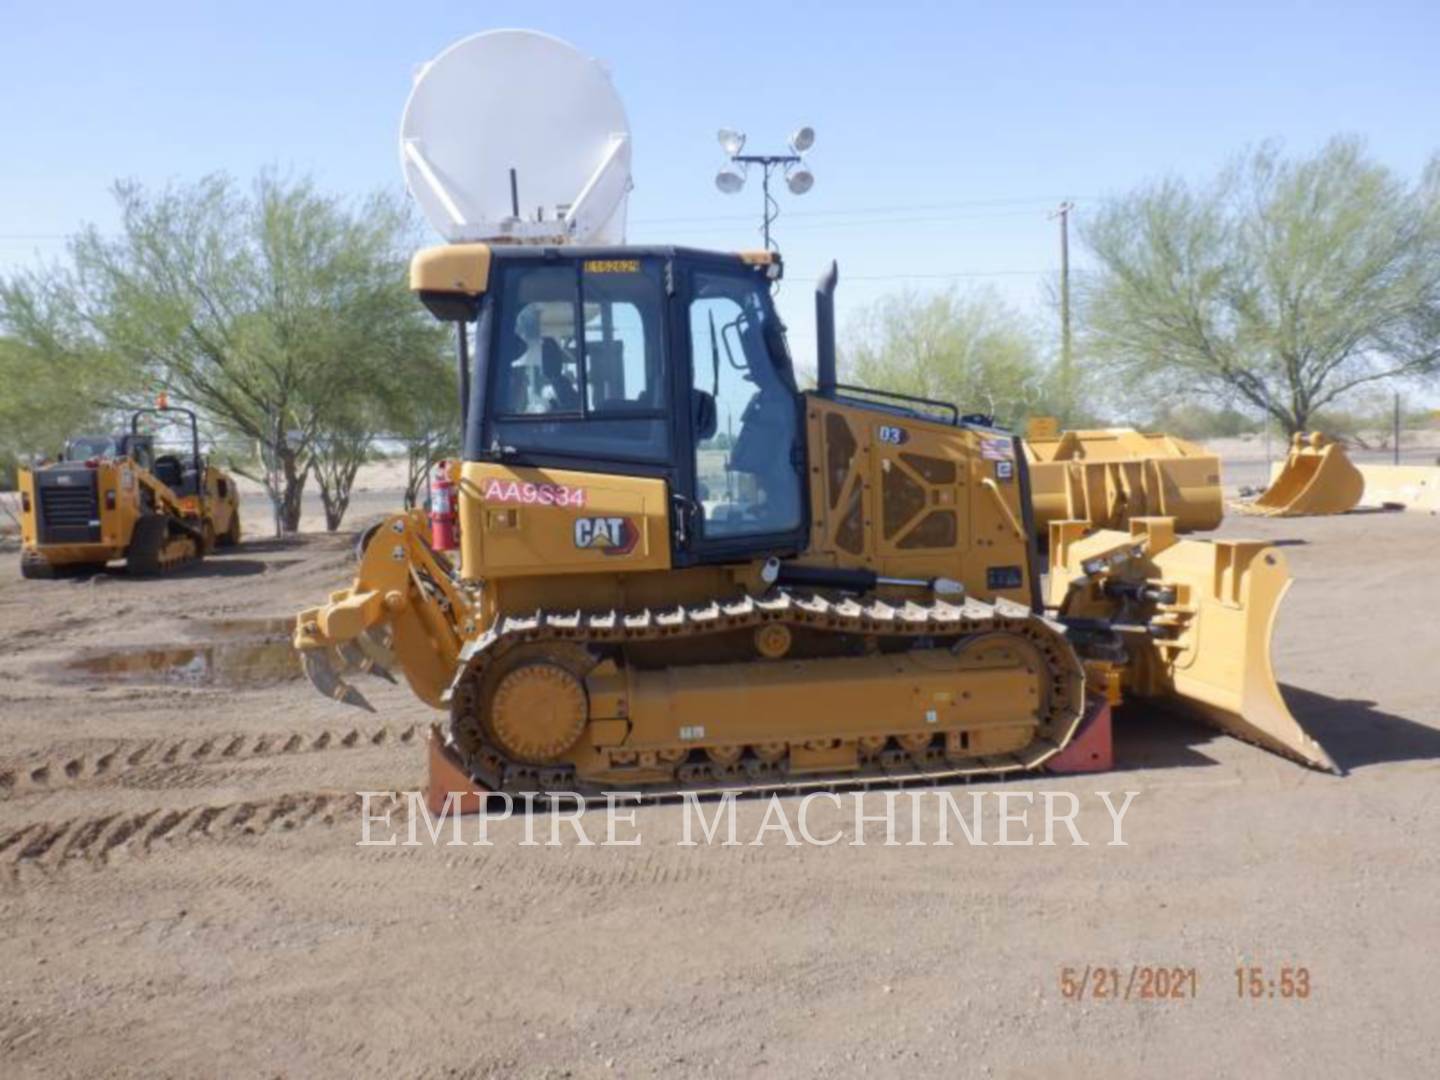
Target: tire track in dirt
[128,756]
[94,840]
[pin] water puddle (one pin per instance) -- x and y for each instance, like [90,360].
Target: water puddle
[267,661]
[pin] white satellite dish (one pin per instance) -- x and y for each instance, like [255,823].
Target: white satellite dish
[514,135]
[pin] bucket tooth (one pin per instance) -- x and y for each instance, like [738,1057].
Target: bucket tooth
[356,658]
[320,669]
[380,655]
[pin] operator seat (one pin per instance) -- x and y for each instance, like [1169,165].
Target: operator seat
[552,366]
[168,471]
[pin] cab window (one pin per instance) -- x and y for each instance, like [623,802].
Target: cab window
[578,360]
[743,401]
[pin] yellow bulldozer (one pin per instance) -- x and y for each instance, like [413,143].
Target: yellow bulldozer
[125,496]
[676,570]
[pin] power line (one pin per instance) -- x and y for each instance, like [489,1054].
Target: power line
[821,226]
[851,211]
[875,215]
[945,274]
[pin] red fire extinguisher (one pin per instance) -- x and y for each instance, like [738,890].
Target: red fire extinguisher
[444,523]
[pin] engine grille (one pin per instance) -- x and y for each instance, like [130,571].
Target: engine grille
[67,511]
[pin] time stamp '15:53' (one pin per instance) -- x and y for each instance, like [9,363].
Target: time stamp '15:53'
[1162,982]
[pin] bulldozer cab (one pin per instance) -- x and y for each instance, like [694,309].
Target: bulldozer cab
[661,363]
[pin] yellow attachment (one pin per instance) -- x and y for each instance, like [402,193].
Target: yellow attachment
[1195,618]
[1317,478]
[402,609]
[1109,476]
[1413,487]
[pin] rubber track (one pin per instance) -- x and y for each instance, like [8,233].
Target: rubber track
[17,779]
[489,767]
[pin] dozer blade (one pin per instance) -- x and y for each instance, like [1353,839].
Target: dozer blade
[1317,478]
[1196,618]
[319,665]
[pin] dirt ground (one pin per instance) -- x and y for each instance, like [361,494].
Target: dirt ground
[182,893]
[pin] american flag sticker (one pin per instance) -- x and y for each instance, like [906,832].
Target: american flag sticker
[997,450]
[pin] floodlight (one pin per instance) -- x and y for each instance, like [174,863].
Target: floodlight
[732,142]
[800,180]
[729,180]
[802,140]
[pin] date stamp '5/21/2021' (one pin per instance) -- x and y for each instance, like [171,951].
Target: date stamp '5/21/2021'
[1164,982]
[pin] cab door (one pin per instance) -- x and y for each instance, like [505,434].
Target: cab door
[577,455]
[743,458]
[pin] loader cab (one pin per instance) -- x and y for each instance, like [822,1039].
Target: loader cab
[653,362]
[137,448]
[176,460]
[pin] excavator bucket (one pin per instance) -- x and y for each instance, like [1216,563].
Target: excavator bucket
[1109,476]
[1194,619]
[1317,478]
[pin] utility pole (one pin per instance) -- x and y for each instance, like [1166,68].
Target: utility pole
[1067,371]
[1395,435]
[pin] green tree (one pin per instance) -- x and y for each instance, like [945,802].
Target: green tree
[967,348]
[45,397]
[426,418]
[1282,285]
[271,310]
[413,403]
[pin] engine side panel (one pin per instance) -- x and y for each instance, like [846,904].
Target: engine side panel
[915,498]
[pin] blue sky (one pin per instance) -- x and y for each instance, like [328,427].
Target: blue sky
[945,131]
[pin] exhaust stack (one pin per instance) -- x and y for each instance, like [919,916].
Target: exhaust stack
[825,378]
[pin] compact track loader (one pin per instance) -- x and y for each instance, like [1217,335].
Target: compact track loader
[123,497]
[676,570]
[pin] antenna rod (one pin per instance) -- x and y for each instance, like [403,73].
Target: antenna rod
[514,196]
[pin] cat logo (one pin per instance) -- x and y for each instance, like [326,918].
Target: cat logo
[611,535]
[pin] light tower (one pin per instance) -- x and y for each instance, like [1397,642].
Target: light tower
[798,177]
